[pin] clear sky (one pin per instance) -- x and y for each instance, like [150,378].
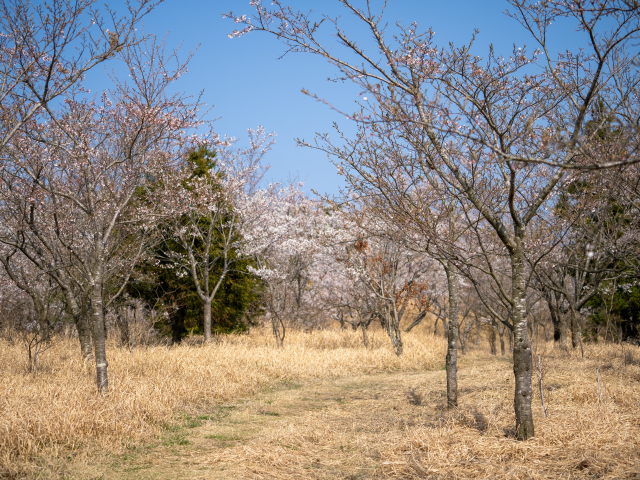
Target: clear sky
[248,85]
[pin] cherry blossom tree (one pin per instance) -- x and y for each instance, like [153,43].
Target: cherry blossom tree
[88,168]
[288,244]
[37,324]
[488,127]
[47,47]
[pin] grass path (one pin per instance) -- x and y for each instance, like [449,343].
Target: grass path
[394,425]
[320,429]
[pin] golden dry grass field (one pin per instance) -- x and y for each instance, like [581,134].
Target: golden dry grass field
[322,407]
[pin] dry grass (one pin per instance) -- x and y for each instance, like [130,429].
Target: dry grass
[579,438]
[357,413]
[58,409]
[397,427]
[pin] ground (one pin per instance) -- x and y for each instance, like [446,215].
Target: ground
[395,425]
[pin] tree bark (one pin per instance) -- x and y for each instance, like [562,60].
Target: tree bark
[501,330]
[99,336]
[465,334]
[393,328]
[452,338]
[81,319]
[553,311]
[363,326]
[510,336]
[492,337]
[417,321]
[563,329]
[576,330]
[522,363]
[207,320]
[83,326]
[276,323]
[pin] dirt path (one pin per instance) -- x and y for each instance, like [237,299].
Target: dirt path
[342,428]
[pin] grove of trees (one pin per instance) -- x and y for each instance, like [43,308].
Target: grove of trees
[498,193]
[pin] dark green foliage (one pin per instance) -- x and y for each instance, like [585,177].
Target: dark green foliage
[172,292]
[620,315]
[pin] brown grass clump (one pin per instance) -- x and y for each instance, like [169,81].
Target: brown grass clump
[58,409]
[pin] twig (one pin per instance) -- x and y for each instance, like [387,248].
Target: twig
[599,391]
[544,410]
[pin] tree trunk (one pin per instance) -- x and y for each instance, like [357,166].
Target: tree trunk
[465,334]
[555,319]
[452,338]
[563,330]
[501,330]
[576,330]
[207,319]
[122,321]
[363,326]
[277,324]
[522,363]
[492,337]
[393,329]
[82,321]
[463,338]
[478,325]
[35,356]
[99,336]
[417,320]
[177,326]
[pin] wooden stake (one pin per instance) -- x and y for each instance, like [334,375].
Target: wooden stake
[544,410]
[599,391]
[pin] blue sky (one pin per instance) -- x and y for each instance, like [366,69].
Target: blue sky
[248,85]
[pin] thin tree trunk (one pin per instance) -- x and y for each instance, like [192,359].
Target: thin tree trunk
[83,326]
[563,329]
[501,330]
[463,338]
[277,324]
[363,326]
[452,338]
[82,320]
[207,319]
[576,330]
[35,356]
[177,325]
[522,363]
[417,320]
[122,321]
[492,337]
[393,329]
[478,325]
[99,336]
[555,319]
